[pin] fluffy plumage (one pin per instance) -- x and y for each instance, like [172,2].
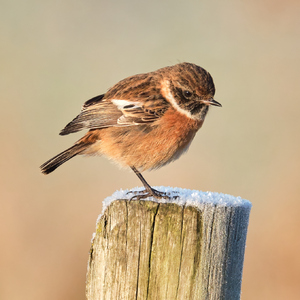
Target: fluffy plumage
[144,121]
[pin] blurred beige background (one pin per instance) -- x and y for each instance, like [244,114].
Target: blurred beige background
[57,54]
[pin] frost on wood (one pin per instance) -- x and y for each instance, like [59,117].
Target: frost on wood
[186,197]
[188,248]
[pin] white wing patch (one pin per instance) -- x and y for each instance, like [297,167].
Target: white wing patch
[125,104]
[131,111]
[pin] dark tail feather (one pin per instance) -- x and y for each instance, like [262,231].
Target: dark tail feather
[53,163]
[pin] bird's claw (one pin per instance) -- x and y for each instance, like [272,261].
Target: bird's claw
[143,194]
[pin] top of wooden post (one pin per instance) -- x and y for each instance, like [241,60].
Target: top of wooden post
[188,247]
[186,197]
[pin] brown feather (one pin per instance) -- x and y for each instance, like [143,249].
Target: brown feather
[144,121]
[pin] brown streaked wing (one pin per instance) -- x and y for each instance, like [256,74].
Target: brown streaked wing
[132,101]
[143,94]
[92,101]
[141,111]
[99,114]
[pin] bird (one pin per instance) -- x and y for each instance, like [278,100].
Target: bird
[144,121]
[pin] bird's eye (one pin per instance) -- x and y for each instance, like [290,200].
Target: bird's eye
[187,94]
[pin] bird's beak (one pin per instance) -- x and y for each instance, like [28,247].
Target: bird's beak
[211,102]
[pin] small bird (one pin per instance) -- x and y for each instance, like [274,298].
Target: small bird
[144,121]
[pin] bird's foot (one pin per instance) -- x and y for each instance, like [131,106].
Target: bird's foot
[146,193]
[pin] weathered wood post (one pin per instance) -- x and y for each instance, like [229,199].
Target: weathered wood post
[189,248]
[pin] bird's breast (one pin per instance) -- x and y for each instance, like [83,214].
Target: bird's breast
[150,146]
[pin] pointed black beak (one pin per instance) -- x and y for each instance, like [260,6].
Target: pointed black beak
[214,103]
[211,102]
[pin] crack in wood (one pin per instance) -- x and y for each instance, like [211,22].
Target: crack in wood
[139,260]
[145,250]
[150,252]
[210,265]
[181,253]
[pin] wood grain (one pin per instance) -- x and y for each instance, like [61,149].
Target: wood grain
[150,250]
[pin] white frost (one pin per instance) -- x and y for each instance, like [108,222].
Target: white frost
[185,197]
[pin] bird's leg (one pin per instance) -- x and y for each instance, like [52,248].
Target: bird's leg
[149,191]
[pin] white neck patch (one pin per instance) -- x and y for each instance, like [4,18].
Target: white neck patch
[165,89]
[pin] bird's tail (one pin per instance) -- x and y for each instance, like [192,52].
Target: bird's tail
[53,163]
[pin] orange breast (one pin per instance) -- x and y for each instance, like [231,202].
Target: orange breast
[148,148]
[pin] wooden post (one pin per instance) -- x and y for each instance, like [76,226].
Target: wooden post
[151,250]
